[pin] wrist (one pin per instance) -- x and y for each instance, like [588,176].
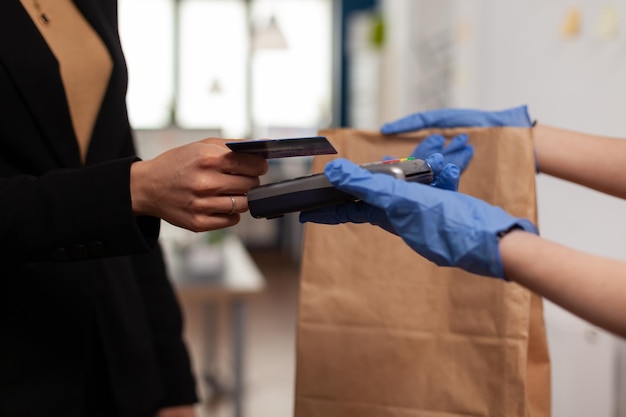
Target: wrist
[541,146]
[513,247]
[138,191]
[503,233]
[521,226]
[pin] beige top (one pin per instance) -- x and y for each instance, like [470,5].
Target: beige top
[84,61]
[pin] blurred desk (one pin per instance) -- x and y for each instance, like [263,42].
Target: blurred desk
[234,284]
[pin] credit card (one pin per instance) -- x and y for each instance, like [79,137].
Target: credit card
[284,148]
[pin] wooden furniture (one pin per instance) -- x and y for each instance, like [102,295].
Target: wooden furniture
[233,285]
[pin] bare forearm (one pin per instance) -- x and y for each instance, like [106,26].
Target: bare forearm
[592,287]
[592,161]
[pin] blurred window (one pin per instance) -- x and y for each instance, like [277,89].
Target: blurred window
[146,31]
[292,84]
[192,71]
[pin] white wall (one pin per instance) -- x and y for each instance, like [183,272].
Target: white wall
[511,52]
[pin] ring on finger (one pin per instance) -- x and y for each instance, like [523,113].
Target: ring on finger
[234,205]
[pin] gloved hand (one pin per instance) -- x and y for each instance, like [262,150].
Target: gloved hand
[445,177]
[449,118]
[446,227]
[457,152]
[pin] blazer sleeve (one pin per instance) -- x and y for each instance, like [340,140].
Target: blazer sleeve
[166,323]
[72,214]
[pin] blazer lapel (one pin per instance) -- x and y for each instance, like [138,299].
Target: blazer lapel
[22,49]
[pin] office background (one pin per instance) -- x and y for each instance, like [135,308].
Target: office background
[283,68]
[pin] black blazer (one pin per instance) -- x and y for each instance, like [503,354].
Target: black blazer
[84,298]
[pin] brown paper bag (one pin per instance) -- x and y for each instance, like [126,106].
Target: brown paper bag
[383,332]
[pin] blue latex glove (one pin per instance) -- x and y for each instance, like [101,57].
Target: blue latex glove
[450,118]
[458,152]
[446,177]
[446,227]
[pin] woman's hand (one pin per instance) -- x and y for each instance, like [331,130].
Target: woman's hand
[200,186]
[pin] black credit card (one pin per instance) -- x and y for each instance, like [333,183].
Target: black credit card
[284,148]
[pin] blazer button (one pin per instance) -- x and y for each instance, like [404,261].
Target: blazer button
[60,254]
[79,252]
[96,248]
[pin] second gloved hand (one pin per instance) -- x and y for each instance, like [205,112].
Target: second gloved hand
[451,118]
[458,152]
[446,227]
